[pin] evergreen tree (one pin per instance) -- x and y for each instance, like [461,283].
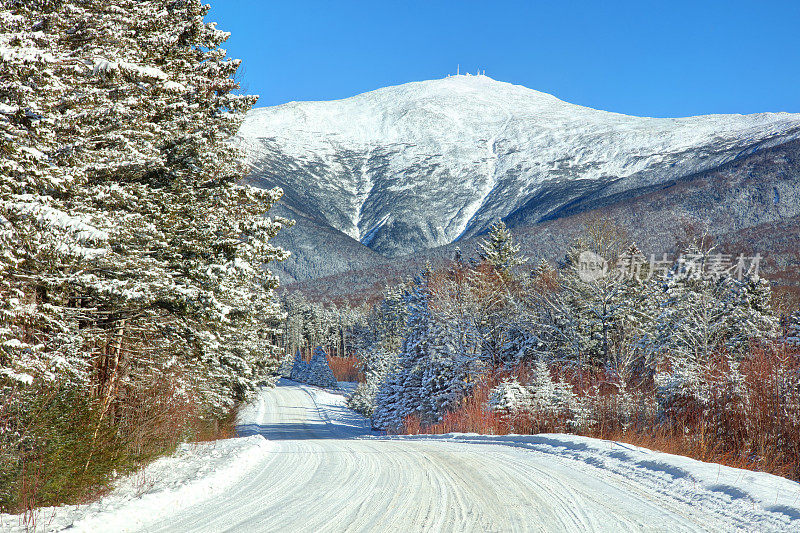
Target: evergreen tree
[445,379]
[377,365]
[435,363]
[120,200]
[299,368]
[499,250]
[287,363]
[400,395]
[706,314]
[793,330]
[510,397]
[132,268]
[379,347]
[319,372]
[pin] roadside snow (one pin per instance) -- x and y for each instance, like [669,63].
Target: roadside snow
[333,406]
[324,469]
[347,388]
[194,473]
[760,501]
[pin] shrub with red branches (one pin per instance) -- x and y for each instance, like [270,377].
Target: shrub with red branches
[346,368]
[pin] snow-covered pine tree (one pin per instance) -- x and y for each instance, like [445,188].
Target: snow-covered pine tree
[319,372]
[119,189]
[584,314]
[376,365]
[436,359]
[706,315]
[392,318]
[499,250]
[285,369]
[445,378]
[543,270]
[299,368]
[753,317]
[378,350]
[401,394]
[510,397]
[793,330]
[294,306]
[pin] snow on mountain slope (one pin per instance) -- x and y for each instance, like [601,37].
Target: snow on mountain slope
[422,164]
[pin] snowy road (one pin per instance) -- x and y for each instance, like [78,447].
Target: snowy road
[324,472]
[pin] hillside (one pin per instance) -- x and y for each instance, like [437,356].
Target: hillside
[410,168]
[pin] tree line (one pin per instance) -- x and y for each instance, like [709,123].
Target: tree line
[692,348]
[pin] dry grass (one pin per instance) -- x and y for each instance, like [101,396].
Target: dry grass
[472,417]
[71,451]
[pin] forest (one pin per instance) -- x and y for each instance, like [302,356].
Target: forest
[696,355]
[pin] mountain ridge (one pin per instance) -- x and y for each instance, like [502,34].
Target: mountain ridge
[421,165]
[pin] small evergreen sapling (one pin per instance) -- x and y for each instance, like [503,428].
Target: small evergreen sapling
[319,372]
[299,368]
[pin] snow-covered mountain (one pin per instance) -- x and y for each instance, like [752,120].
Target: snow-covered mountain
[415,166]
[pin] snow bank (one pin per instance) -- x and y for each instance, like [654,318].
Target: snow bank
[194,473]
[768,502]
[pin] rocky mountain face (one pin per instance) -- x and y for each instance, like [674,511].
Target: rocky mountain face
[394,175]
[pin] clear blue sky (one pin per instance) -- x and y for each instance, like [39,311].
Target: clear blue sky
[651,58]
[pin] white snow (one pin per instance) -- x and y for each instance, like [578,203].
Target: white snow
[26,379]
[33,152]
[174,86]
[26,54]
[143,72]
[195,472]
[757,501]
[459,152]
[324,470]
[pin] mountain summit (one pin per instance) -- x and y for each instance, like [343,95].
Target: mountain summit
[415,166]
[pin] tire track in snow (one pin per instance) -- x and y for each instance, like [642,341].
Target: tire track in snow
[321,477]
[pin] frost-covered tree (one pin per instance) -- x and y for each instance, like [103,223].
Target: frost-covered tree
[582,316]
[400,395]
[706,314]
[378,346]
[285,368]
[542,395]
[445,378]
[299,368]
[131,277]
[510,397]
[548,394]
[499,250]
[119,195]
[377,365]
[319,372]
[793,330]
[436,360]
